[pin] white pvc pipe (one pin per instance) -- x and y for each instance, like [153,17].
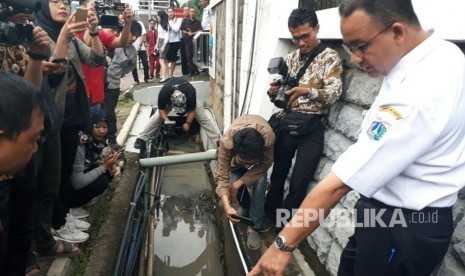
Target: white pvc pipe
[228,65]
[178,159]
[236,41]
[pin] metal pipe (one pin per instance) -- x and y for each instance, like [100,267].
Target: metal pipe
[178,159]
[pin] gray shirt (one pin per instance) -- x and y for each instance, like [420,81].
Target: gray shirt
[123,62]
[79,178]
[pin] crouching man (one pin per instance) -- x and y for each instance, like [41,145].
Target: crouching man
[244,157]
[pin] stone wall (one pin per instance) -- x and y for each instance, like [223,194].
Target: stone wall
[217,84]
[343,123]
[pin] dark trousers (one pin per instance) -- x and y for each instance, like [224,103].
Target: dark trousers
[69,144]
[184,60]
[414,248]
[154,65]
[145,65]
[308,149]
[109,102]
[84,195]
[189,51]
[48,165]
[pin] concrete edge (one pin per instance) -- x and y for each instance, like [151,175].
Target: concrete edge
[60,267]
[126,129]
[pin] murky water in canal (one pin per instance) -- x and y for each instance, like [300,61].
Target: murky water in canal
[186,236]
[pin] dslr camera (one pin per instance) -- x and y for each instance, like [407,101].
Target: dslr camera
[278,66]
[105,20]
[13,33]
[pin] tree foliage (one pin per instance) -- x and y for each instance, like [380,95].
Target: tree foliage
[319,4]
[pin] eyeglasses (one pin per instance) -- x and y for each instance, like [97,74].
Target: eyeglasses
[248,164]
[56,3]
[359,50]
[304,37]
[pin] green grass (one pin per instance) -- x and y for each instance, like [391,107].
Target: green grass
[126,103]
[99,213]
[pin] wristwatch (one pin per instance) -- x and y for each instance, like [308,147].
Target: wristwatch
[280,243]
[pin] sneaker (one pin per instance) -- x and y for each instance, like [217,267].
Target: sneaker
[77,223]
[253,240]
[79,212]
[139,144]
[149,80]
[69,234]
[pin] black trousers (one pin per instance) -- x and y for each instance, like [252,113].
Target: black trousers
[82,196]
[69,144]
[109,102]
[48,164]
[414,248]
[145,65]
[308,149]
[189,52]
[184,60]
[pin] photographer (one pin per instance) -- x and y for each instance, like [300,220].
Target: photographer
[180,96]
[95,76]
[317,89]
[65,92]
[15,58]
[18,192]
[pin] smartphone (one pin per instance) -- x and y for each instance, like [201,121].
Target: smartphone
[59,60]
[74,5]
[81,14]
[244,220]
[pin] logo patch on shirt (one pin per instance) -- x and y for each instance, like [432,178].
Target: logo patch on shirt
[376,130]
[391,110]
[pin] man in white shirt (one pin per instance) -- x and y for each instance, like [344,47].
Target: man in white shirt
[409,159]
[139,44]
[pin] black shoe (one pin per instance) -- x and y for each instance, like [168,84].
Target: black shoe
[139,144]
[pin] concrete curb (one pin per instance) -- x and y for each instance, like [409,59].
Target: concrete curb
[126,129]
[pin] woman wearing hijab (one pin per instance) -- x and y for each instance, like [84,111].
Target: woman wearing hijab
[68,108]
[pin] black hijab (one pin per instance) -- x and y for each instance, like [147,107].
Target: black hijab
[45,21]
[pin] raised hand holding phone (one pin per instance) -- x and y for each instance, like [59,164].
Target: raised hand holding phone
[81,14]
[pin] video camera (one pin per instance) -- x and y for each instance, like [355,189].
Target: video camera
[278,66]
[105,20]
[13,33]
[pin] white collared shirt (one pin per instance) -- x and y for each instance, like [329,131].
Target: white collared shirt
[138,41]
[411,149]
[175,32]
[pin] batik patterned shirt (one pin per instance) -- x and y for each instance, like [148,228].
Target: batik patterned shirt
[323,77]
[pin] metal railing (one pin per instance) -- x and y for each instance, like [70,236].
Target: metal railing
[202,49]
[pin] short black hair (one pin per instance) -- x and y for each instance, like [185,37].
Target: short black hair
[18,99]
[248,144]
[136,28]
[302,16]
[382,11]
[151,19]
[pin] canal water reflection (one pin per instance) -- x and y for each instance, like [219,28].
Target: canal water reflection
[186,240]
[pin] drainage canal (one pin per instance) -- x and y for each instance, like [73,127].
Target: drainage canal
[173,227]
